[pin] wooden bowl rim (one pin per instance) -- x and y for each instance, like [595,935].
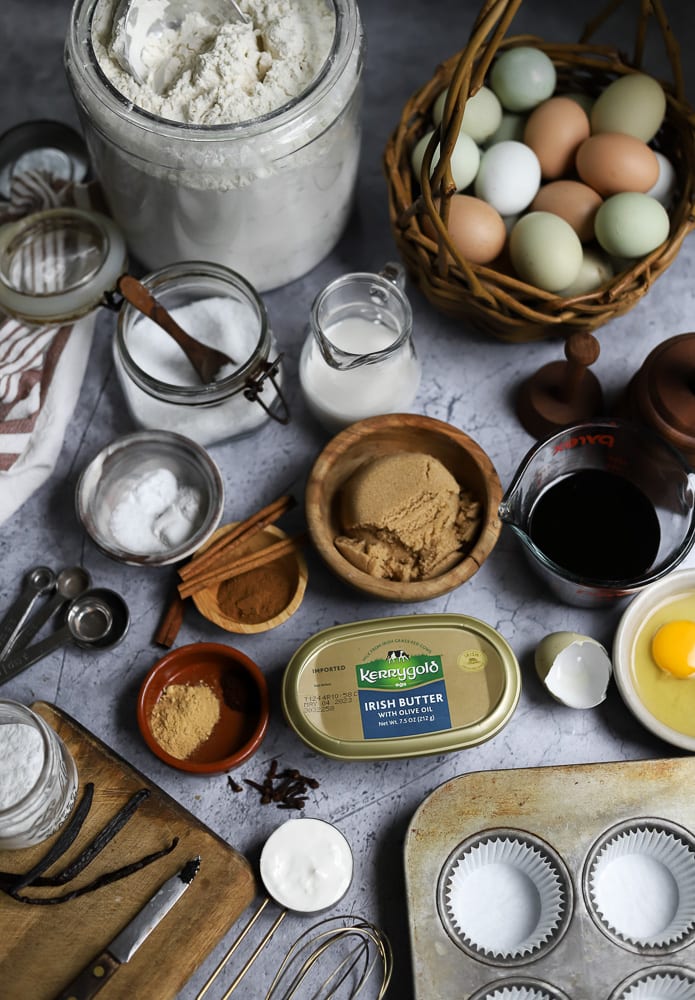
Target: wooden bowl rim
[396,590]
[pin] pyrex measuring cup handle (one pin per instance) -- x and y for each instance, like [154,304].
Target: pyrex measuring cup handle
[15,663]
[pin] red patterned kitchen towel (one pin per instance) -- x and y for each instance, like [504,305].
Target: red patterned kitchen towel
[41,367]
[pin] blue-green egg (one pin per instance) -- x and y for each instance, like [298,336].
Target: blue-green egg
[545,251]
[522,77]
[631,224]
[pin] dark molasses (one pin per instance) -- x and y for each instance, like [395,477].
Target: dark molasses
[597,526]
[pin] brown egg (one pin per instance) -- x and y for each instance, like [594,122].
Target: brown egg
[573,201]
[476,229]
[554,131]
[611,162]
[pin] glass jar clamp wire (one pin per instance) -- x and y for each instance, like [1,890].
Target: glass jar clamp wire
[59,264]
[358,359]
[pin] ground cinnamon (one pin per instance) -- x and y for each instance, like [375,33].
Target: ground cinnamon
[256,596]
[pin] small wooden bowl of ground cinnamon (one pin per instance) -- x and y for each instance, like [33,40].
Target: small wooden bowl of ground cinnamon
[261,599]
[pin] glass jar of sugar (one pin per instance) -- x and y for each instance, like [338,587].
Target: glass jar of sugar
[220,309]
[358,359]
[38,778]
[240,147]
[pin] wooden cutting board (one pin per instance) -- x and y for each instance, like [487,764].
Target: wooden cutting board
[43,947]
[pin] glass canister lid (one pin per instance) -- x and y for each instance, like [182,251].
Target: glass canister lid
[56,265]
[50,147]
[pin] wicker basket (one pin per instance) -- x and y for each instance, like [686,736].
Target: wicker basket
[491,300]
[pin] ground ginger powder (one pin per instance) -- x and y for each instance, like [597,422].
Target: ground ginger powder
[405,517]
[184,717]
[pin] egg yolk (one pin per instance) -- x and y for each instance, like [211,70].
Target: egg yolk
[673,648]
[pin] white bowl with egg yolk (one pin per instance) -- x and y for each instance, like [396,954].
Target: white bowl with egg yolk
[661,697]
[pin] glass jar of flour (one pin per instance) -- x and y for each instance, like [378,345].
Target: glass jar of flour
[241,144]
[220,309]
[38,778]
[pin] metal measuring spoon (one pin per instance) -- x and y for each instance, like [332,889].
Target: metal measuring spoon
[70,583]
[97,619]
[142,19]
[38,581]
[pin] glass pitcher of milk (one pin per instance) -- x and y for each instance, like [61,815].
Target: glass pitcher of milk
[358,359]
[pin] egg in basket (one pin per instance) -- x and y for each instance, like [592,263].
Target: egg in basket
[538,188]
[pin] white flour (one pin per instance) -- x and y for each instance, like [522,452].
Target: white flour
[268,197]
[208,74]
[21,760]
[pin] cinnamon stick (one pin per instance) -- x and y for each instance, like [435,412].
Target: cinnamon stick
[243,565]
[171,622]
[219,550]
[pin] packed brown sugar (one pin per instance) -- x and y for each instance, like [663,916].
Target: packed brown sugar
[405,517]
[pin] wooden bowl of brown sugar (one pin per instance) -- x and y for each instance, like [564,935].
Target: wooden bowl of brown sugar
[403,507]
[258,600]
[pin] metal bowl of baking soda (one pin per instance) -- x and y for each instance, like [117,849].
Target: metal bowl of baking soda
[150,498]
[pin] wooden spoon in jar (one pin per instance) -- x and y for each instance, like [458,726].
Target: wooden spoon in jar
[207,361]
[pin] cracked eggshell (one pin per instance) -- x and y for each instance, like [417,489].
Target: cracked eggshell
[575,669]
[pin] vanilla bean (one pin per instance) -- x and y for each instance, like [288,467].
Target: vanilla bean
[107,879]
[15,883]
[102,839]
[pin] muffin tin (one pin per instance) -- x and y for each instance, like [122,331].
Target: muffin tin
[555,883]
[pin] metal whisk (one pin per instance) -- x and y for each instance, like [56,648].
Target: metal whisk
[311,962]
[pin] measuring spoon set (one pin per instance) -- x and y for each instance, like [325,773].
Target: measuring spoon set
[92,617]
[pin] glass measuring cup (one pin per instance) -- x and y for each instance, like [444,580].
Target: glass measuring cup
[636,459]
[358,359]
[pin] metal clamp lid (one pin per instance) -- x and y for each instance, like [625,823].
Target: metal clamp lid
[56,265]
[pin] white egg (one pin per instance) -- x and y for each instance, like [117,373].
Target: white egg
[574,668]
[665,184]
[508,177]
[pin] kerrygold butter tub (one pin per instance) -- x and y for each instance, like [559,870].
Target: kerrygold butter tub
[401,687]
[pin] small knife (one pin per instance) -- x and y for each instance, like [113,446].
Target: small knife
[88,983]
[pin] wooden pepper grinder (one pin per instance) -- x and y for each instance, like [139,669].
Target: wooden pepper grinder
[562,392]
[661,394]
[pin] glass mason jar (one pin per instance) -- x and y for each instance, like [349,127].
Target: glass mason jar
[267,197]
[38,778]
[222,310]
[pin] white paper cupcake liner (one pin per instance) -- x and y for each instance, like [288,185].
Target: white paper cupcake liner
[505,897]
[662,983]
[516,989]
[640,886]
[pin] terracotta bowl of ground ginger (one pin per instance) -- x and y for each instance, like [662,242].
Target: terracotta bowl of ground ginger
[403,507]
[204,708]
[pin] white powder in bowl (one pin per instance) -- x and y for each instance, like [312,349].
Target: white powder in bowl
[207,74]
[155,513]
